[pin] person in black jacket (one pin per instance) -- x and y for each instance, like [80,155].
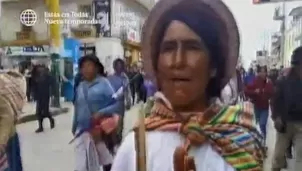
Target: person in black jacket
[287,113]
[43,90]
[140,88]
[132,75]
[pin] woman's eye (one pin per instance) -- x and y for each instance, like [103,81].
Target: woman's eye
[168,46]
[167,49]
[192,47]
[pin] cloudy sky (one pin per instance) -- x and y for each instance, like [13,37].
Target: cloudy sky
[256,24]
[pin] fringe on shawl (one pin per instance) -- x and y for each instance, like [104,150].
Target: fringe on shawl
[230,129]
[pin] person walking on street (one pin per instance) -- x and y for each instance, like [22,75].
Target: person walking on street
[94,143]
[287,114]
[282,75]
[260,91]
[140,88]
[43,90]
[249,77]
[28,76]
[120,81]
[149,86]
[132,75]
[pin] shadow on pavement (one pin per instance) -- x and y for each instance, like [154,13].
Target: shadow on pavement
[32,117]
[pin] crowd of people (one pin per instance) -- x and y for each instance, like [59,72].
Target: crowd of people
[202,111]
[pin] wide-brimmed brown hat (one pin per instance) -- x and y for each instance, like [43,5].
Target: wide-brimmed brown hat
[229,30]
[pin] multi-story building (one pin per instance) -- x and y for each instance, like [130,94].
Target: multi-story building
[293,34]
[290,35]
[124,18]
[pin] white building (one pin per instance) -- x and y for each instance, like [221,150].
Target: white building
[10,22]
[293,34]
[13,33]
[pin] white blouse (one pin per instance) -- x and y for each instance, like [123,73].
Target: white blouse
[160,150]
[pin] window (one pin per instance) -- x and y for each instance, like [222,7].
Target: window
[87,9]
[26,28]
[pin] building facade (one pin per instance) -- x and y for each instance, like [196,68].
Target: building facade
[293,34]
[124,19]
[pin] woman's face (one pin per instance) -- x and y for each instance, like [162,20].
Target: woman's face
[88,70]
[183,66]
[119,67]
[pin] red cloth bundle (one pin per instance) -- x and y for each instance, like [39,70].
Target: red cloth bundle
[103,125]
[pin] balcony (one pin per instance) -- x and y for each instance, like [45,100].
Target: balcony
[82,34]
[24,35]
[24,38]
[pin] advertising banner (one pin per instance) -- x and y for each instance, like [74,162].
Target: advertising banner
[102,11]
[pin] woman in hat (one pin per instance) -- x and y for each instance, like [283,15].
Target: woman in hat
[12,100]
[95,118]
[191,48]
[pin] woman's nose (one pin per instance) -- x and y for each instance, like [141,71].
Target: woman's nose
[179,59]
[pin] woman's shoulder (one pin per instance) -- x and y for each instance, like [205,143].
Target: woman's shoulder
[236,122]
[231,112]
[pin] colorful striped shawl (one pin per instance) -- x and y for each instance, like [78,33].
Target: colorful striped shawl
[12,87]
[231,131]
[3,160]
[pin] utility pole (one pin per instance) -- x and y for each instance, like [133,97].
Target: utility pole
[55,38]
[283,32]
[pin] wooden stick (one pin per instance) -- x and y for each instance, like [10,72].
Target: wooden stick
[140,141]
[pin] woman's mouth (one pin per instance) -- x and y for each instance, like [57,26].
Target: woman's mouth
[181,80]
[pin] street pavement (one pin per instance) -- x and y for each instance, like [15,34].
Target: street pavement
[30,108]
[50,151]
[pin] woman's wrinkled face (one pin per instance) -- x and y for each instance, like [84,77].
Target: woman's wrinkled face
[88,70]
[183,66]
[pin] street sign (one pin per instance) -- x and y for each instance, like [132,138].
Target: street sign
[27,50]
[257,2]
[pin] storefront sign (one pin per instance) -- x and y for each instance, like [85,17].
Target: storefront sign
[27,50]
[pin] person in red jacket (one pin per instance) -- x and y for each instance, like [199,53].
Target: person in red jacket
[260,92]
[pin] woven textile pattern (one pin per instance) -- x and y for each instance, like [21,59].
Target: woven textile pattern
[231,131]
[3,161]
[12,88]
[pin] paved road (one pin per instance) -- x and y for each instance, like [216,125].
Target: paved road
[50,151]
